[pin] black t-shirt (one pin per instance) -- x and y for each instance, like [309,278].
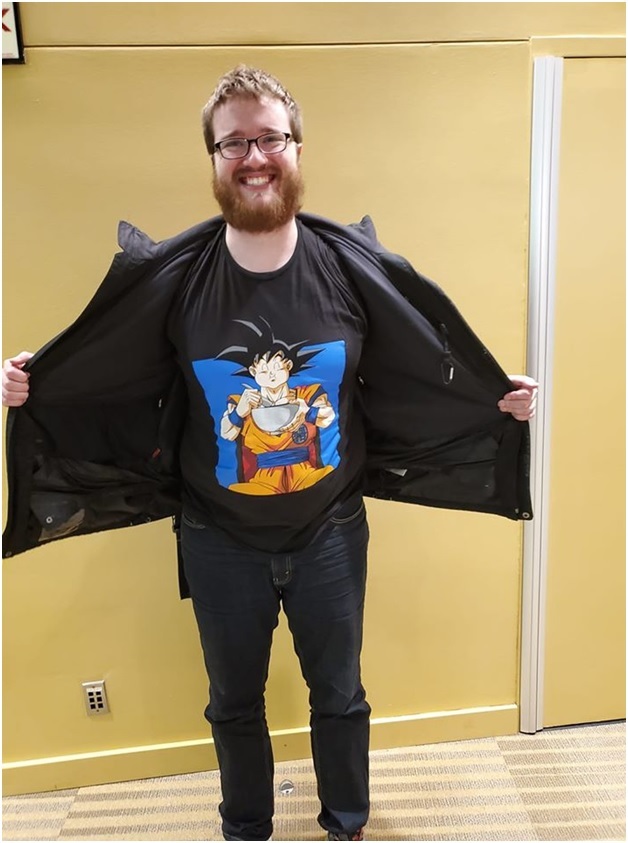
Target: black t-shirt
[274,440]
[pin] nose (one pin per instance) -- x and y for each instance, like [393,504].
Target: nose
[254,155]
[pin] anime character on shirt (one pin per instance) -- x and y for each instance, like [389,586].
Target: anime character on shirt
[275,425]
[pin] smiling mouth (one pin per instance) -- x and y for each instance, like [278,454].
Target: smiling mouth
[256,181]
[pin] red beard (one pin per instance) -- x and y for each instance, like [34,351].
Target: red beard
[269,216]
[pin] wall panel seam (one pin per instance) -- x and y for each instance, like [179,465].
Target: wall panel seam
[282,45]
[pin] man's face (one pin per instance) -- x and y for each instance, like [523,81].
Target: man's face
[258,193]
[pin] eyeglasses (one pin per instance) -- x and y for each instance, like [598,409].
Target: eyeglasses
[269,144]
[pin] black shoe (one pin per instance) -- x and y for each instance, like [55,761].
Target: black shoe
[358,835]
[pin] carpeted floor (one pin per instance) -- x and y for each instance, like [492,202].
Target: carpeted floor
[561,784]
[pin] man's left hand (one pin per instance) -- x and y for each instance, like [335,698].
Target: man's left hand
[521,402]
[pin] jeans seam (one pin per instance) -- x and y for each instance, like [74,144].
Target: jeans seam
[287,574]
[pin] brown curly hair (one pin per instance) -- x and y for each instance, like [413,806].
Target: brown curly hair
[252,83]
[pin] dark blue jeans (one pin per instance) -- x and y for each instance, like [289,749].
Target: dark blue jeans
[236,594]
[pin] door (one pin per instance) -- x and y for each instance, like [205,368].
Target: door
[585,614]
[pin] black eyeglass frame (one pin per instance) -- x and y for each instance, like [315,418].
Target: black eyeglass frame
[249,141]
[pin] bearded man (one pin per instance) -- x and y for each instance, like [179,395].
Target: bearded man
[245,556]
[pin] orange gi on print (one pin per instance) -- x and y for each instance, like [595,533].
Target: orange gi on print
[276,426]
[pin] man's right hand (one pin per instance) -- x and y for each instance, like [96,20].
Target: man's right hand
[14,380]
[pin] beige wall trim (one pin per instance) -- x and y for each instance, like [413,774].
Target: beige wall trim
[561,46]
[578,46]
[546,110]
[138,762]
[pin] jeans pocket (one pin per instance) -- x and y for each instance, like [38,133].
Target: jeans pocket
[346,519]
[190,522]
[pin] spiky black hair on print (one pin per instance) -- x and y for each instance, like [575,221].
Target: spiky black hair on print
[265,345]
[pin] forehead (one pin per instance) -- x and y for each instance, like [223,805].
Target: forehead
[246,116]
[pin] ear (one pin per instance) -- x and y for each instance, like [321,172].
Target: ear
[252,371]
[288,365]
[299,149]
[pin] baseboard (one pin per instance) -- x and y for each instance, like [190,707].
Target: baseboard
[170,759]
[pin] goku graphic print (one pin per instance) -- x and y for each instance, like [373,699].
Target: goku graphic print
[275,406]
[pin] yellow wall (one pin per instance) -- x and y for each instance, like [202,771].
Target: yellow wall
[80,24]
[104,129]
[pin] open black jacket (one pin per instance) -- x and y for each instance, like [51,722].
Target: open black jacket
[95,446]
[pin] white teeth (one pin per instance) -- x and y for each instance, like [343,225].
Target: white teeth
[255,180]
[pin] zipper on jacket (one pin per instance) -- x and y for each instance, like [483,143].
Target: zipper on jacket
[447,363]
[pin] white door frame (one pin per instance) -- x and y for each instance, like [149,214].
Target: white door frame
[546,114]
